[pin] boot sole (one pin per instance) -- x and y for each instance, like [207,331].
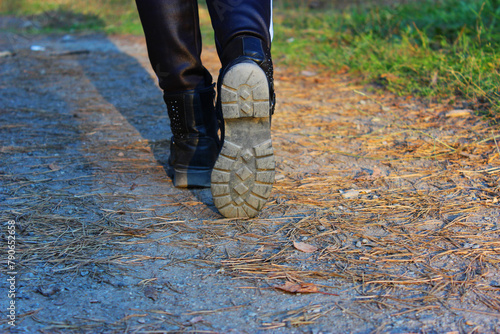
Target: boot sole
[243,175]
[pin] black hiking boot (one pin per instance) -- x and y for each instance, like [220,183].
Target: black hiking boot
[195,143]
[243,174]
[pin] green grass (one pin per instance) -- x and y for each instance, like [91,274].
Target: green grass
[429,48]
[109,16]
[426,48]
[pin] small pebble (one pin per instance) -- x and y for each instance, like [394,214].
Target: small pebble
[37,48]
[5,54]
[279,177]
[67,38]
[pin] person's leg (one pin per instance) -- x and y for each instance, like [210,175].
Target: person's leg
[173,40]
[231,18]
[243,174]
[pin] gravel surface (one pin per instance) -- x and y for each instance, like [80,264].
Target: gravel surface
[104,243]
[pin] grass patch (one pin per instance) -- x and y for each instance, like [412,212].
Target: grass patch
[110,16]
[427,48]
[430,48]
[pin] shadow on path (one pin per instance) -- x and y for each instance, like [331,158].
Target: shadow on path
[129,87]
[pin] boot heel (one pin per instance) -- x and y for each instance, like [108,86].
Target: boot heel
[243,174]
[188,178]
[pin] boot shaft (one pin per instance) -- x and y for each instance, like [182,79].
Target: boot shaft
[192,113]
[195,143]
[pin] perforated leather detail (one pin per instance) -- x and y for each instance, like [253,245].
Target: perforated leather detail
[269,70]
[177,117]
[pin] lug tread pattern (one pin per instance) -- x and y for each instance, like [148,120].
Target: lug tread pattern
[244,190]
[243,175]
[247,95]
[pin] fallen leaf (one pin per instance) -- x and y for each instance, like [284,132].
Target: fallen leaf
[298,287]
[306,248]
[151,292]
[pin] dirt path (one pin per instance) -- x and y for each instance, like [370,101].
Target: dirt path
[386,206]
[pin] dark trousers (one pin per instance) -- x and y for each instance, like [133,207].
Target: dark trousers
[173,36]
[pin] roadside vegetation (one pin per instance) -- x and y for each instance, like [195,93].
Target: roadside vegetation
[439,49]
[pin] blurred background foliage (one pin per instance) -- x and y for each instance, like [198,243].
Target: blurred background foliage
[440,49]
